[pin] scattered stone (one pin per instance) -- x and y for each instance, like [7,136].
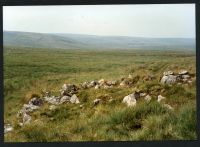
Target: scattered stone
[130,100]
[111,83]
[74,99]
[91,84]
[160,98]
[130,76]
[84,85]
[96,101]
[185,76]
[147,98]
[123,83]
[81,106]
[8,128]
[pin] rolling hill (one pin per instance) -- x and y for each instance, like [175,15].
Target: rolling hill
[78,41]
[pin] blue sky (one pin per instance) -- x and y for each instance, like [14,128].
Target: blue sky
[158,20]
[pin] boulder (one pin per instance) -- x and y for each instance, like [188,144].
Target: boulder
[130,100]
[74,99]
[8,128]
[160,98]
[170,79]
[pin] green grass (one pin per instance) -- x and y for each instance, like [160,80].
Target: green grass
[27,72]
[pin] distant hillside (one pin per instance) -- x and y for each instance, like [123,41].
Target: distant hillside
[77,41]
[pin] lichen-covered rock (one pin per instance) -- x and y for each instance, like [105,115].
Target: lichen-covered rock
[130,100]
[74,99]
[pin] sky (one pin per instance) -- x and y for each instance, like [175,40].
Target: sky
[155,20]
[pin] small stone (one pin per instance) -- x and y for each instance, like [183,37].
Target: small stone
[183,72]
[185,76]
[166,73]
[52,107]
[160,98]
[97,87]
[65,99]
[74,99]
[96,101]
[147,98]
[130,100]
[8,128]
[168,107]
[26,118]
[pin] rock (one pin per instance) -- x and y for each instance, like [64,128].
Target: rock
[52,107]
[84,85]
[111,83]
[96,101]
[168,107]
[111,100]
[69,89]
[102,82]
[166,73]
[142,94]
[123,83]
[97,87]
[74,99]
[147,98]
[91,84]
[130,76]
[130,100]
[81,106]
[106,86]
[26,118]
[160,98]
[170,79]
[8,128]
[185,76]
[53,100]
[36,102]
[65,99]
[183,72]
[190,82]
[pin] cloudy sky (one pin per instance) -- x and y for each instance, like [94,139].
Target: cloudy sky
[163,20]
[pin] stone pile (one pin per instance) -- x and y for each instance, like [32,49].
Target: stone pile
[169,77]
[99,84]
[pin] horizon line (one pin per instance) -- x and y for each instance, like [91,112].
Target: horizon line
[98,35]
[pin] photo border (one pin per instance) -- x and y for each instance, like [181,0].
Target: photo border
[169,143]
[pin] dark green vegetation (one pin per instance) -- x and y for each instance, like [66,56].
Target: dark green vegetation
[27,72]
